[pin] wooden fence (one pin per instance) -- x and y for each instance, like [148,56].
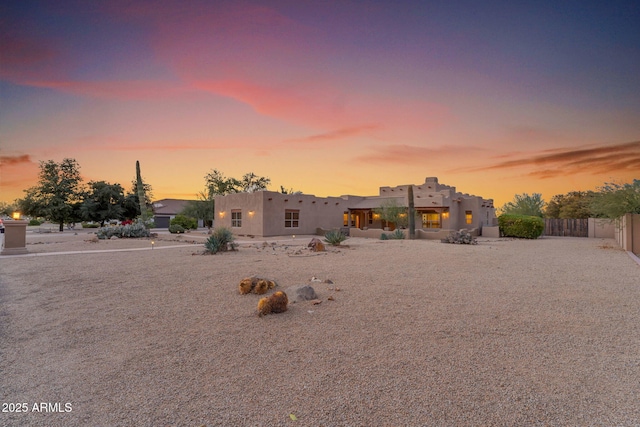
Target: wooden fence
[566,227]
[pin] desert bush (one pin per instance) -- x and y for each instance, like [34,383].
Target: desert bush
[34,222]
[220,240]
[134,230]
[523,226]
[335,237]
[462,237]
[187,223]
[397,235]
[90,225]
[384,237]
[176,228]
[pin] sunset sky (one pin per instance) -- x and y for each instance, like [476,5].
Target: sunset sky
[325,97]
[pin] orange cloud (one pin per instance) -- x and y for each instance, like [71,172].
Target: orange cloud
[566,161]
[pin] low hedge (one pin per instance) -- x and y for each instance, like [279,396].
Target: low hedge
[523,226]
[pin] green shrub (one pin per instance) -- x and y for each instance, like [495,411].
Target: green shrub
[135,230]
[90,225]
[185,222]
[176,228]
[384,237]
[397,235]
[523,226]
[220,241]
[335,237]
[34,222]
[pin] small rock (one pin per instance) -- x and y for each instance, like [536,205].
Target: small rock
[316,301]
[301,293]
[329,281]
[331,298]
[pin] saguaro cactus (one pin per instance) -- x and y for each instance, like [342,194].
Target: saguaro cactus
[141,196]
[412,214]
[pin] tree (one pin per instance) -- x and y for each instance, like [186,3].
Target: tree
[575,204]
[103,201]
[7,208]
[217,184]
[58,193]
[251,182]
[391,212]
[201,208]
[525,204]
[614,200]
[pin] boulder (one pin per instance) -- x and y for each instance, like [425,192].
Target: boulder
[316,245]
[301,293]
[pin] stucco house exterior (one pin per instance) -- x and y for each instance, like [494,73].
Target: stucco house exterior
[440,209]
[269,213]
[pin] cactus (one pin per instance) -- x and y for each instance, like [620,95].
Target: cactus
[141,196]
[412,214]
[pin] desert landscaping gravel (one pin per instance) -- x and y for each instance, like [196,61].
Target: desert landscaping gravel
[409,333]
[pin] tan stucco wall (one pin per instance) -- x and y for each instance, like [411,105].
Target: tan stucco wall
[627,232]
[15,237]
[601,228]
[263,212]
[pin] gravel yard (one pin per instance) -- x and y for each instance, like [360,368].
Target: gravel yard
[416,333]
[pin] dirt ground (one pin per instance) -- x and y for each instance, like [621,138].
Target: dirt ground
[408,333]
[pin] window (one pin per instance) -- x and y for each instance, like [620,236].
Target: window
[236,218]
[468,215]
[291,218]
[430,220]
[345,219]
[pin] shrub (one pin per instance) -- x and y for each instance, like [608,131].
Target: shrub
[220,241]
[134,230]
[384,237]
[176,228]
[335,237]
[462,237]
[185,222]
[523,226]
[34,222]
[397,235]
[90,225]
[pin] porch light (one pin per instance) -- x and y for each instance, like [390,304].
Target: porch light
[445,215]
[251,213]
[16,215]
[221,214]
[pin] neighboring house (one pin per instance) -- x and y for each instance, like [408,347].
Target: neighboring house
[440,209]
[166,209]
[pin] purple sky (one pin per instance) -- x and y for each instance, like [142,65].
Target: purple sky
[329,98]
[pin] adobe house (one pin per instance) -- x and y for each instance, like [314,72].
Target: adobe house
[269,213]
[166,209]
[440,209]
